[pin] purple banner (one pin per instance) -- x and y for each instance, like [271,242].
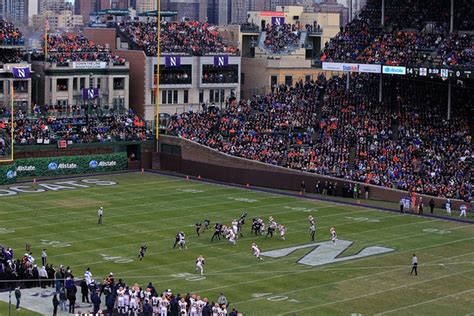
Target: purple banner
[221,61]
[172,61]
[278,20]
[21,72]
[90,93]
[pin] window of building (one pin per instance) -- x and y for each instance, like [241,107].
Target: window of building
[119,83]
[307,78]
[170,96]
[82,83]
[163,96]
[74,84]
[186,96]
[222,96]
[98,83]
[62,84]
[201,96]
[211,96]
[175,96]
[1,86]
[289,81]
[273,81]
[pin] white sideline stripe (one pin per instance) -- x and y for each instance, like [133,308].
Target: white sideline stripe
[425,302]
[377,292]
[352,279]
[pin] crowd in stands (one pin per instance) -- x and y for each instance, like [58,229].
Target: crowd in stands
[404,142]
[68,47]
[414,32]
[82,129]
[101,296]
[282,38]
[192,38]
[9,34]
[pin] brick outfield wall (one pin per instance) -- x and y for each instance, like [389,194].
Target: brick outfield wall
[197,160]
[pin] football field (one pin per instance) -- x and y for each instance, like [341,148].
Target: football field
[367,272]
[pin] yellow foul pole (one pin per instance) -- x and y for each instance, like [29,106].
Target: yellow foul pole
[157,97]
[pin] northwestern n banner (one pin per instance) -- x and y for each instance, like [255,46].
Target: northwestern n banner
[278,20]
[90,93]
[221,61]
[172,61]
[53,166]
[21,72]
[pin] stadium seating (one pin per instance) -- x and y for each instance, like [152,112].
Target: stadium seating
[192,38]
[80,129]
[413,34]
[320,127]
[9,34]
[281,38]
[70,47]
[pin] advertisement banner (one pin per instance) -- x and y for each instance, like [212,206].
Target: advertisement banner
[7,174]
[367,68]
[272,13]
[394,70]
[89,65]
[67,165]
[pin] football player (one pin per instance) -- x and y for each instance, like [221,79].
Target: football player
[183,307]
[333,235]
[200,265]
[141,254]
[282,230]
[182,241]
[256,251]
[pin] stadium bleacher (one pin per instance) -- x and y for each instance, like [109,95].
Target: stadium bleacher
[320,127]
[413,33]
[192,38]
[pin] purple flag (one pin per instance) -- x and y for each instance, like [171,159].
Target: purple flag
[90,93]
[172,61]
[221,61]
[278,20]
[21,72]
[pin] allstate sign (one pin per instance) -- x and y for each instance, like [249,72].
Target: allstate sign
[52,166]
[93,164]
[394,70]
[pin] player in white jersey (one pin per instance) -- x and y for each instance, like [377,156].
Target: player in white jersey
[164,303]
[311,220]
[200,264]
[193,306]
[223,311]
[235,227]
[462,209]
[231,236]
[121,300]
[200,305]
[183,307]
[126,300]
[154,303]
[333,235]
[134,303]
[256,251]
[182,241]
[216,310]
[282,230]
[448,207]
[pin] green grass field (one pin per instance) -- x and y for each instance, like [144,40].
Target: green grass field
[148,208]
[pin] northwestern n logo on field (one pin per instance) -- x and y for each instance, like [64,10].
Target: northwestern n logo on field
[326,252]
